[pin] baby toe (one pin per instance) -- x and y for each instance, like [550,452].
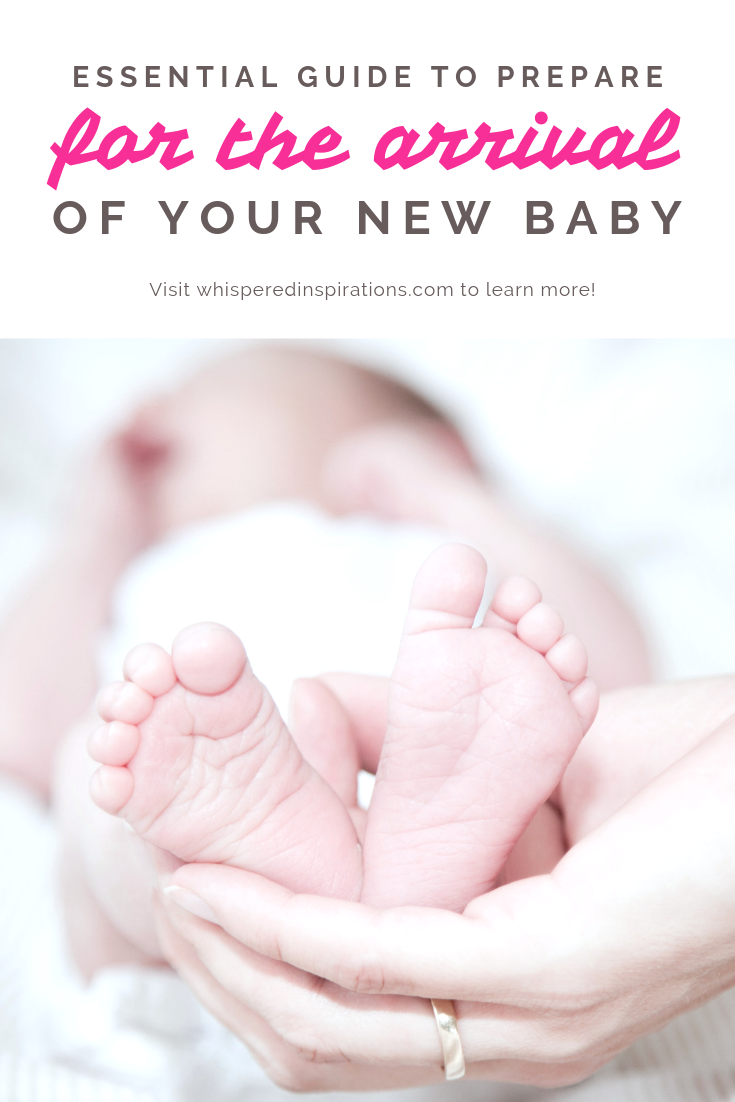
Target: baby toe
[208,658]
[124,700]
[513,598]
[568,659]
[113,743]
[586,700]
[447,590]
[150,667]
[540,627]
[111,787]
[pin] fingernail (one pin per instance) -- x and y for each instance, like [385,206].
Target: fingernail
[191,903]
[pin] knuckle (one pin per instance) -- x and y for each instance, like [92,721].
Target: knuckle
[364,977]
[307,1047]
[310,1048]
[304,1040]
[291,1075]
[313,1055]
[298,1075]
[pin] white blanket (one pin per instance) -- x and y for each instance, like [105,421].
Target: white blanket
[306,592]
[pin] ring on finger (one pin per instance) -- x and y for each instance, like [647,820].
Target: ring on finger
[446,1024]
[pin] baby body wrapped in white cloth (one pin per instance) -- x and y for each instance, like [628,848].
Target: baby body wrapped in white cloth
[307,593]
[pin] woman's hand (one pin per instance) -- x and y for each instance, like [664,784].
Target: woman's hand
[551,975]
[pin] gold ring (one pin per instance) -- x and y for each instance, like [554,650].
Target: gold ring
[446,1023]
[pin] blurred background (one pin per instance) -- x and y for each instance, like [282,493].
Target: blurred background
[626,448]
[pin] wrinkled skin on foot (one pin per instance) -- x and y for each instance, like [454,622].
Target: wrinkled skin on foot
[482,723]
[196,758]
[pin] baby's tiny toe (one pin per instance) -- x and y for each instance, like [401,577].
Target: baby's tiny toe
[124,700]
[513,599]
[208,658]
[150,667]
[113,743]
[540,627]
[586,700]
[568,659]
[111,787]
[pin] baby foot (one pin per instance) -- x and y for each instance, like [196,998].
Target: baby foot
[195,757]
[482,723]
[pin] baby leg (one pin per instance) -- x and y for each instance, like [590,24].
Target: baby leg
[105,873]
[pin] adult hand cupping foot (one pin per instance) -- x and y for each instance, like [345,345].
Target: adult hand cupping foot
[551,976]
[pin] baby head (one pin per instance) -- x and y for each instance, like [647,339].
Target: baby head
[258,427]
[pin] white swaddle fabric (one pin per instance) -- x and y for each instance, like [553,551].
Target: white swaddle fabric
[306,593]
